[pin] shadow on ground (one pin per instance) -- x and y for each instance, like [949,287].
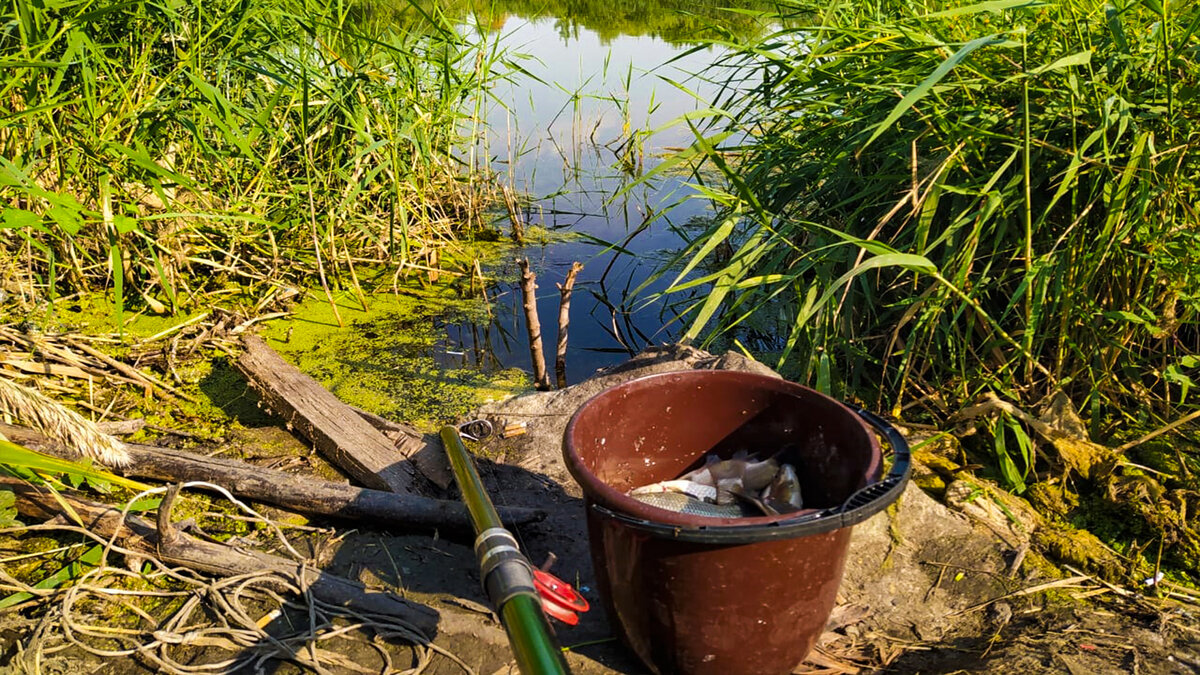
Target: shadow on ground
[926,589]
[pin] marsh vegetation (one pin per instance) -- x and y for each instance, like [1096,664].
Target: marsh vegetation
[160,152]
[927,206]
[980,218]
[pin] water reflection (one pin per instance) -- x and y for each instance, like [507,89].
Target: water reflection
[676,22]
[573,137]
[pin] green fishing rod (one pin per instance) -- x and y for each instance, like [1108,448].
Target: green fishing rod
[506,573]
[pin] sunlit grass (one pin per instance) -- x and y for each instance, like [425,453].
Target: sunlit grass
[940,199]
[160,150]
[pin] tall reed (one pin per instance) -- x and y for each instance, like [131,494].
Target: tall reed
[163,148]
[939,199]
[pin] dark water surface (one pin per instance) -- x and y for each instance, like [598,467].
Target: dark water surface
[572,137]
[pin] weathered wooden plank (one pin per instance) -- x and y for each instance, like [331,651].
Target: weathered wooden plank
[423,450]
[340,434]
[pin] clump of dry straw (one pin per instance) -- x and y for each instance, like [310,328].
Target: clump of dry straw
[60,424]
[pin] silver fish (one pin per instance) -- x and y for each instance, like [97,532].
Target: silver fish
[681,503]
[697,491]
[783,494]
[730,488]
[754,475]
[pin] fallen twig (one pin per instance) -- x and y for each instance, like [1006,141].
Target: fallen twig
[1159,432]
[1070,582]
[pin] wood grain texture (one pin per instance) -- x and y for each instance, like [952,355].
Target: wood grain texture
[336,430]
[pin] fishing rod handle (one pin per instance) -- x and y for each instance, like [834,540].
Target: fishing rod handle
[503,569]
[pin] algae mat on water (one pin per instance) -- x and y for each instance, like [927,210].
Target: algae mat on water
[394,358]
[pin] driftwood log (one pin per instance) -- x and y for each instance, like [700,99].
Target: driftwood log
[167,544]
[304,494]
[340,434]
[430,459]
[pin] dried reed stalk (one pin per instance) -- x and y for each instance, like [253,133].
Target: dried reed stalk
[65,426]
[514,214]
[529,297]
[564,319]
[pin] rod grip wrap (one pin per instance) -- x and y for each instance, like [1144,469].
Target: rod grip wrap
[503,569]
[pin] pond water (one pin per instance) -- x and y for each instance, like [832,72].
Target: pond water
[572,137]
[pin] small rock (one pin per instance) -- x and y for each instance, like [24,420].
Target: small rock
[1000,613]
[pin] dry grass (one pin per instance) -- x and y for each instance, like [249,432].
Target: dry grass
[65,426]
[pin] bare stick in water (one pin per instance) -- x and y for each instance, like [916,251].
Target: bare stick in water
[564,318]
[528,295]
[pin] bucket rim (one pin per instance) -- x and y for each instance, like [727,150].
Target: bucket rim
[610,503]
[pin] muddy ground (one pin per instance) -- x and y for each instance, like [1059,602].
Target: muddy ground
[926,588]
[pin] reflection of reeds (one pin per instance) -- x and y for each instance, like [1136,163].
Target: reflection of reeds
[65,426]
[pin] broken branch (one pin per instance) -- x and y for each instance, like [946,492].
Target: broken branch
[529,298]
[298,493]
[564,319]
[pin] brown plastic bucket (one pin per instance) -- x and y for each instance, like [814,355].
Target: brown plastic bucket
[726,596]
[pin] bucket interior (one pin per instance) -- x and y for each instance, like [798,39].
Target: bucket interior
[658,427]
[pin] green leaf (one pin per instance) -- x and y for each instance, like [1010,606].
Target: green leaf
[1113,15]
[1008,468]
[117,269]
[74,570]
[1175,376]
[927,84]
[13,455]
[824,377]
[741,263]
[1079,59]
[124,224]
[993,6]
[20,218]
[1155,6]
[141,157]
[1024,444]
[908,261]
[69,220]
[1123,315]
[145,504]
[711,239]
[8,509]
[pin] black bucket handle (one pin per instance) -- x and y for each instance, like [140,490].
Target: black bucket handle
[861,505]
